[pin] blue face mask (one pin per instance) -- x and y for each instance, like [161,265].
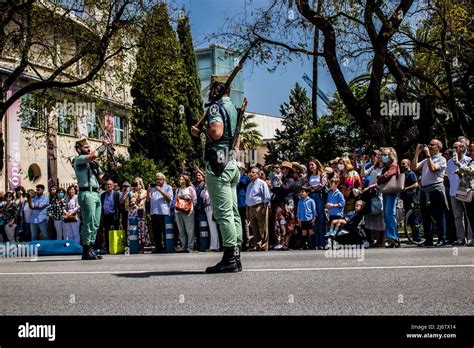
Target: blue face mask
[60,195]
[385,159]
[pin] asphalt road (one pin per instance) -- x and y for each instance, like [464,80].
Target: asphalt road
[406,281]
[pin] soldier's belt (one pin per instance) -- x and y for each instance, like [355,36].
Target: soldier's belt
[93,189]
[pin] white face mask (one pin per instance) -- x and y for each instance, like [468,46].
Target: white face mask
[340,166]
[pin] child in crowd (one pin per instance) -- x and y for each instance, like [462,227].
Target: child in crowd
[306,217]
[351,220]
[284,226]
[335,206]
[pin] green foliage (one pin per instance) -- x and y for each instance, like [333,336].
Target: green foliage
[336,132]
[160,130]
[446,59]
[191,87]
[138,166]
[289,143]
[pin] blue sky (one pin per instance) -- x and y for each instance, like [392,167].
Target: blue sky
[265,91]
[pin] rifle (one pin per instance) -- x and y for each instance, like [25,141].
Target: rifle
[240,118]
[232,76]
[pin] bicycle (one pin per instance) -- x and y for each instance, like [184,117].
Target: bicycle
[413,223]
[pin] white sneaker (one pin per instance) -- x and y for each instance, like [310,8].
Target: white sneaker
[336,245]
[328,245]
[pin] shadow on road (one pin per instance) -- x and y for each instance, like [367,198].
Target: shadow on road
[158,274]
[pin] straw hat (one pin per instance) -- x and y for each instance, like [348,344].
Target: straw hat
[286,164]
[298,167]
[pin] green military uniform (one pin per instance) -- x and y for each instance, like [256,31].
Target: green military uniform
[223,188]
[89,201]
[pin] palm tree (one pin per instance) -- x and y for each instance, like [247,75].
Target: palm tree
[250,137]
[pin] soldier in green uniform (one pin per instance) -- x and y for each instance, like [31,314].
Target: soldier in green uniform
[89,175]
[222,174]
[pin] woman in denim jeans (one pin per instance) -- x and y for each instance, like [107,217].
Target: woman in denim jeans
[391,168]
[317,182]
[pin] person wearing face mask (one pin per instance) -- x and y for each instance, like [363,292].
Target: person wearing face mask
[340,166]
[391,168]
[56,210]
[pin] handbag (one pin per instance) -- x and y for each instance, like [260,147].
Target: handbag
[183,205]
[395,184]
[464,194]
[376,206]
[72,218]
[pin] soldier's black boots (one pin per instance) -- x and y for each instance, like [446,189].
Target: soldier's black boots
[88,253]
[237,259]
[228,264]
[97,256]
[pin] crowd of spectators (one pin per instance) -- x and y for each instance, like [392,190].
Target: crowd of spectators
[283,206]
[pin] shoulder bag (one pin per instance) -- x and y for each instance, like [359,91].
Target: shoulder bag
[395,184]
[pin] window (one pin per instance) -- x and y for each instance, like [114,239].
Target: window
[66,123]
[92,124]
[33,114]
[120,130]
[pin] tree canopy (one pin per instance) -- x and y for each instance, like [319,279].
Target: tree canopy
[420,52]
[160,130]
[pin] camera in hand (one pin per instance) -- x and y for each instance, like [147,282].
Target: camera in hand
[134,184]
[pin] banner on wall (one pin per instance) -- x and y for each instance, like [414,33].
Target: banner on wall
[13,144]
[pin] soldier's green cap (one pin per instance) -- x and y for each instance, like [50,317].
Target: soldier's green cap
[219,79]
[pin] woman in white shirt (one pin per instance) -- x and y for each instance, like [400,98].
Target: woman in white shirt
[72,222]
[185,200]
[317,182]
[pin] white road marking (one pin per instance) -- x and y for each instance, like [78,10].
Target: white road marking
[352,268]
[245,270]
